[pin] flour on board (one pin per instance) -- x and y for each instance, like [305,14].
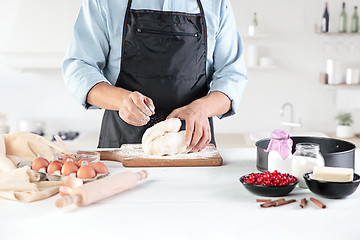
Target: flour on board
[135,151]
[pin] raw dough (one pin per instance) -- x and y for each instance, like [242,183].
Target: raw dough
[164,138]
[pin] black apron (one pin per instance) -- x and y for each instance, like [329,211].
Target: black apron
[164,58]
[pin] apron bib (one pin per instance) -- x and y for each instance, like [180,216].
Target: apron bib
[164,58]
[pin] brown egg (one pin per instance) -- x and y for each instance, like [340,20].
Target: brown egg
[100,167]
[64,191]
[54,166]
[64,160]
[86,172]
[79,163]
[68,168]
[72,182]
[39,163]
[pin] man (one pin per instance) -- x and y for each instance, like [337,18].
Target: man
[145,61]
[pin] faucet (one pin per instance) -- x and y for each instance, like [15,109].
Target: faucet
[291,124]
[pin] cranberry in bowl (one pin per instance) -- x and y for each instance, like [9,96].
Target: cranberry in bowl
[269,184]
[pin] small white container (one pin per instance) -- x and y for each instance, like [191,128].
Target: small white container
[333,69]
[279,148]
[276,162]
[352,76]
[306,156]
[266,62]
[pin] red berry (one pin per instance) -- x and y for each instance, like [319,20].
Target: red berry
[268,178]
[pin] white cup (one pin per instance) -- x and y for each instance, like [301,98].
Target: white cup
[333,69]
[352,76]
[266,62]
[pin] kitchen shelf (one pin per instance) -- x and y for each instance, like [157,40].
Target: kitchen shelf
[342,86]
[258,36]
[338,34]
[33,60]
[261,67]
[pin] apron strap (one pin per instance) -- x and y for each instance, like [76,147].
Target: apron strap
[200,7]
[130,2]
[205,30]
[124,27]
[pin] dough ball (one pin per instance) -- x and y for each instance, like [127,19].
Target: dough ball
[164,138]
[168,144]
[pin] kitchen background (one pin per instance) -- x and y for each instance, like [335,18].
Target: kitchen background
[34,35]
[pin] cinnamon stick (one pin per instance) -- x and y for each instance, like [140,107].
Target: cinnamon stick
[263,200]
[272,203]
[280,203]
[303,202]
[277,203]
[318,203]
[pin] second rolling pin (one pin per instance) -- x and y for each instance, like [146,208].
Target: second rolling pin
[101,189]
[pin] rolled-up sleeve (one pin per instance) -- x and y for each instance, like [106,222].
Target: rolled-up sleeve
[230,75]
[87,52]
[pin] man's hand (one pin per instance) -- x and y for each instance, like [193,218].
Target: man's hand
[136,109]
[195,114]
[198,133]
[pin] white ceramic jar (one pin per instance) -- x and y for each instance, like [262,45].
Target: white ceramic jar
[305,158]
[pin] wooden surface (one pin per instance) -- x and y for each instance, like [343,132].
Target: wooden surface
[131,155]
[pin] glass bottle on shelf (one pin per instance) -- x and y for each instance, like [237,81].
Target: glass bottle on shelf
[325,20]
[355,21]
[255,21]
[343,20]
[306,156]
[253,26]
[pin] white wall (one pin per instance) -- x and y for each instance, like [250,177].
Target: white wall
[43,96]
[36,27]
[300,55]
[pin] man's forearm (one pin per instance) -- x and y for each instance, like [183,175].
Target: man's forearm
[104,95]
[214,104]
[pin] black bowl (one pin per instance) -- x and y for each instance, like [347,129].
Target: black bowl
[331,189]
[268,191]
[336,152]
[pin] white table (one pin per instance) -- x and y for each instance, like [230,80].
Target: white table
[186,203]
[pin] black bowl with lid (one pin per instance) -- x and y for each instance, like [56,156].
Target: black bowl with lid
[336,152]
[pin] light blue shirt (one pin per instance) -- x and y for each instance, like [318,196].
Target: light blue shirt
[94,52]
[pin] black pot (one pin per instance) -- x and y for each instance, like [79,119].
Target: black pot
[336,153]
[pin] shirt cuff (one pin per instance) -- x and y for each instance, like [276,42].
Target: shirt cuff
[84,103]
[233,91]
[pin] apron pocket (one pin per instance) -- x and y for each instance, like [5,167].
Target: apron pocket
[166,55]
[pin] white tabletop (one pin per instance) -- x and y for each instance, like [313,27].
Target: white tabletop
[186,203]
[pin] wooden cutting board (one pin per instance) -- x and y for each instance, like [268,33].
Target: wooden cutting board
[132,155]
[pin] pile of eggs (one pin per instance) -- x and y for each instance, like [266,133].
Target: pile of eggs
[69,166]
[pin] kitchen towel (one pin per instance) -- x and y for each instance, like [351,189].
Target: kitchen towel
[23,184]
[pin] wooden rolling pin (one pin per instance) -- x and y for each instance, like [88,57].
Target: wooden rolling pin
[101,189]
